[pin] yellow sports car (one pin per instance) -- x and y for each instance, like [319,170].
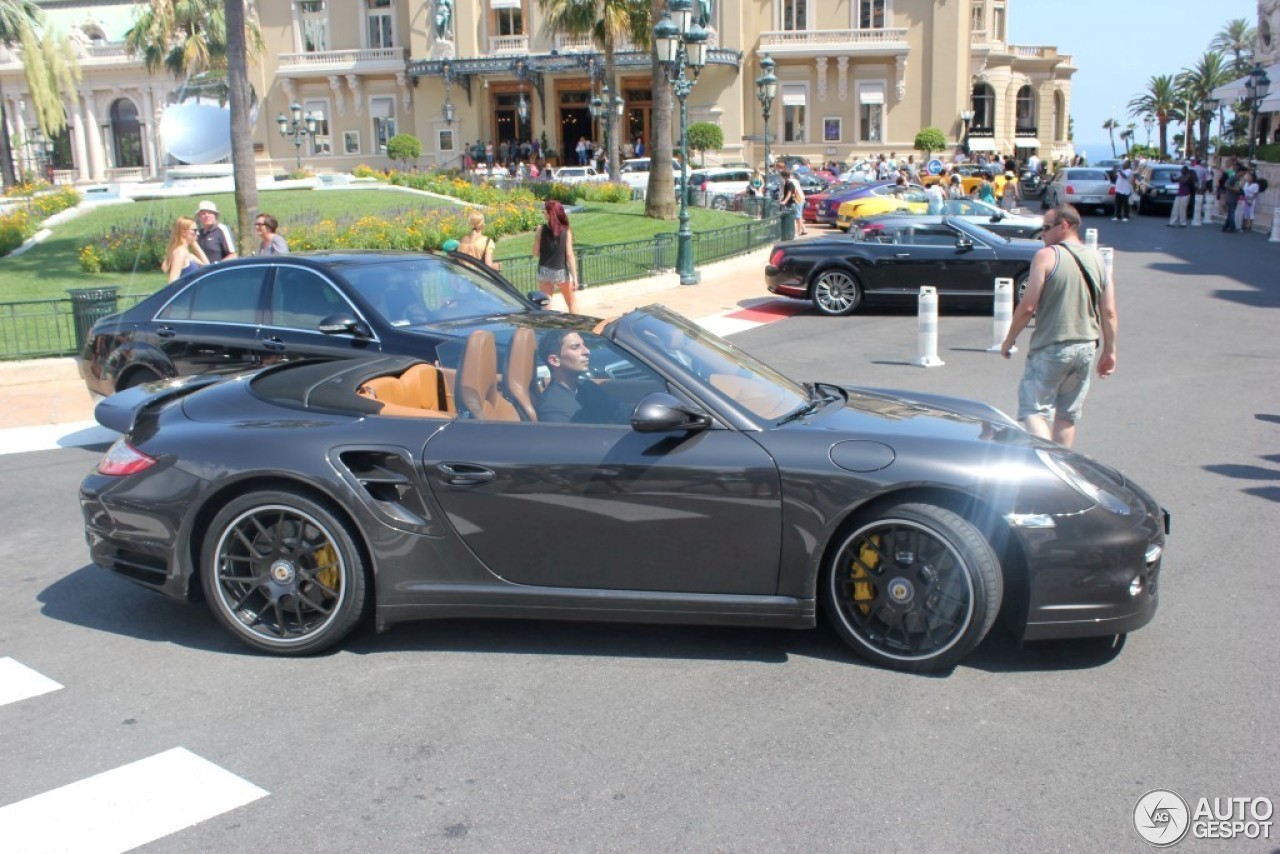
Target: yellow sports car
[882,201]
[970,176]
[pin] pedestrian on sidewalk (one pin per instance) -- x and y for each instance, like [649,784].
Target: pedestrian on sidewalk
[1073,303]
[553,247]
[217,241]
[793,197]
[1186,188]
[477,244]
[1249,190]
[183,254]
[270,242]
[1232,184]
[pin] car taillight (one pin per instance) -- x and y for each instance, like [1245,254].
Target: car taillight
[123,459]
[1111,191]
[775,259]
[705,186]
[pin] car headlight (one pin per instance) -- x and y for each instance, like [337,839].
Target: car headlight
[1078,481]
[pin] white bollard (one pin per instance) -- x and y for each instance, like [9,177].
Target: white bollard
[1091,237]
[1001,314]
[1275,224]
[1196,213]
[1108,261]
[927,325]
[1210,208]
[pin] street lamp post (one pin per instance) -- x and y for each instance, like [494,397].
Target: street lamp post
[298,126]
[766,91]
[1147,122]
[600,107]
[966,116]
[682,51]
[1257,86]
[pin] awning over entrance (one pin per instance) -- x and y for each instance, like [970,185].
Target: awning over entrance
[1235,90]
[982,143]
[1026,142]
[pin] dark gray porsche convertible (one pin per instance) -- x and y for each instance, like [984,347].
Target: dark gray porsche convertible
[693,484]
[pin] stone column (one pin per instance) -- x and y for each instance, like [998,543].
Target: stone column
[75,117]
[150,132]
[97,156]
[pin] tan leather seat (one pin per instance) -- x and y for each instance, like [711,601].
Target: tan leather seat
[478,391]
[416,393]
[519,373]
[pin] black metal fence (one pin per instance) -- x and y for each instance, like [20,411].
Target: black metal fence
[57,327]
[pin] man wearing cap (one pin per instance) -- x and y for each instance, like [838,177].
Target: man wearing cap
[214,237]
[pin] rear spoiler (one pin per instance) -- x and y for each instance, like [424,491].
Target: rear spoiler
[121,410]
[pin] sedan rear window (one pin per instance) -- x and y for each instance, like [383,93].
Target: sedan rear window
[1087,175]
[1165,174]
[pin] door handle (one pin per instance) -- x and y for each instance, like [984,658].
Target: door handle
[166,332]
[465,474]
[274,344]
[902,255]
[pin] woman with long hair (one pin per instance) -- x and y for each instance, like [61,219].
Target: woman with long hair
[184,254]
[553,247]
[476,243]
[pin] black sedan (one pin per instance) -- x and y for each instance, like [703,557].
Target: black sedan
[961,259]
[249,312]
[694,484]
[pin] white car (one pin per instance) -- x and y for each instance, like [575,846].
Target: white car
[578,175]
[635,172]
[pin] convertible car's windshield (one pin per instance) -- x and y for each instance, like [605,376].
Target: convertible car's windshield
[412,291]
[738,377]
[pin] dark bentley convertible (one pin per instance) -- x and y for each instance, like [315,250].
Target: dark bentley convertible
[695,485]
[962,260]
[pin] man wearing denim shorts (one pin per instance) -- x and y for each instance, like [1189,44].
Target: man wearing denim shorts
[1074,304]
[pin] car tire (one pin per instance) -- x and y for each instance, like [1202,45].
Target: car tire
[720,203]
[1020,287]
[283,573]
[912,587]
[135,377]
[836,292]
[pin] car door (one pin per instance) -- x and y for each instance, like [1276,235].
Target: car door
[601,506]
[937,259]
[299,299]
[212,325]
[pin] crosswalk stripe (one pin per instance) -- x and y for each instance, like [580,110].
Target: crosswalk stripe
[19,682]
[125,807]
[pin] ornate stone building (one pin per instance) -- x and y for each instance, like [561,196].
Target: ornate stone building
[855,77]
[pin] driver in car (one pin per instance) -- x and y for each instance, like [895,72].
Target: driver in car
[572,397]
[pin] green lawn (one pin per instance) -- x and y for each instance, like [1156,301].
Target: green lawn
[48,270]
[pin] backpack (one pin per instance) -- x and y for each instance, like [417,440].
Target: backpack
[797,192]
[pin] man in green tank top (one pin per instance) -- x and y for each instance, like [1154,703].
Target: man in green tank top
[1074,305]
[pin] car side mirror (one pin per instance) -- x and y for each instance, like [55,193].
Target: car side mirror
[996,217]
[963,244]
[664,413]
[339,324]
[539,299]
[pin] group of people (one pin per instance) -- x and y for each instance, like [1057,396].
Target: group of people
[203,240]
[1236,187]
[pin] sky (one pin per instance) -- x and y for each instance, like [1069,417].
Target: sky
[1118,47]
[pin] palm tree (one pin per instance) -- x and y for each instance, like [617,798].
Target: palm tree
[189,37]
[608,23]
[1237,38]
[1126,136]
[660,200]
[1198,82]
[1110,126]
[50,69]
[1160,101]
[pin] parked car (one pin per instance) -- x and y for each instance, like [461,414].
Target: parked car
[1155,188]
[829,209]
[578,175]
[635,172]
[697,485]
[887,199]
[979,213]
[719,186]
[1084,187]
[249,312]
[960,259]
[971,175]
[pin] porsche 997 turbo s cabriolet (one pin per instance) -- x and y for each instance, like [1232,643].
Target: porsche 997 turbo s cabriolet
[636,470]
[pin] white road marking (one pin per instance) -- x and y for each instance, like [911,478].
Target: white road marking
[19,682]
[19,440]
[724,325]
[125,807]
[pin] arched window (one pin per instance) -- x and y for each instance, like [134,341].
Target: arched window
[1059,116]
[1026,107]
[984,107]
[126,133]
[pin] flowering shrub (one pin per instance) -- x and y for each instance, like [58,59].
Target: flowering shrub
[15,227]
[563,193]
[364,171]
[611,193]
[26,187]
[46,205]
[411,229]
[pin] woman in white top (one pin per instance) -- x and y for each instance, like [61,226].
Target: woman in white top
[1124,189]
[1248,198]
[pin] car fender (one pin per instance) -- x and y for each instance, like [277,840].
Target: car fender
[832,264]
[137,353]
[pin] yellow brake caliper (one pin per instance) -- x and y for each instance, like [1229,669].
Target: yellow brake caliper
[326,559]
[868,558]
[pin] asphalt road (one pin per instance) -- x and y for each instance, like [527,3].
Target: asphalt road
[493,736]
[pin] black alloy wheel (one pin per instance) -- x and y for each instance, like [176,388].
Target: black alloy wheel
[836,293]
[1020,287]
[283,573]
[916,588]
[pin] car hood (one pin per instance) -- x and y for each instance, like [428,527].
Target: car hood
[870,411]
